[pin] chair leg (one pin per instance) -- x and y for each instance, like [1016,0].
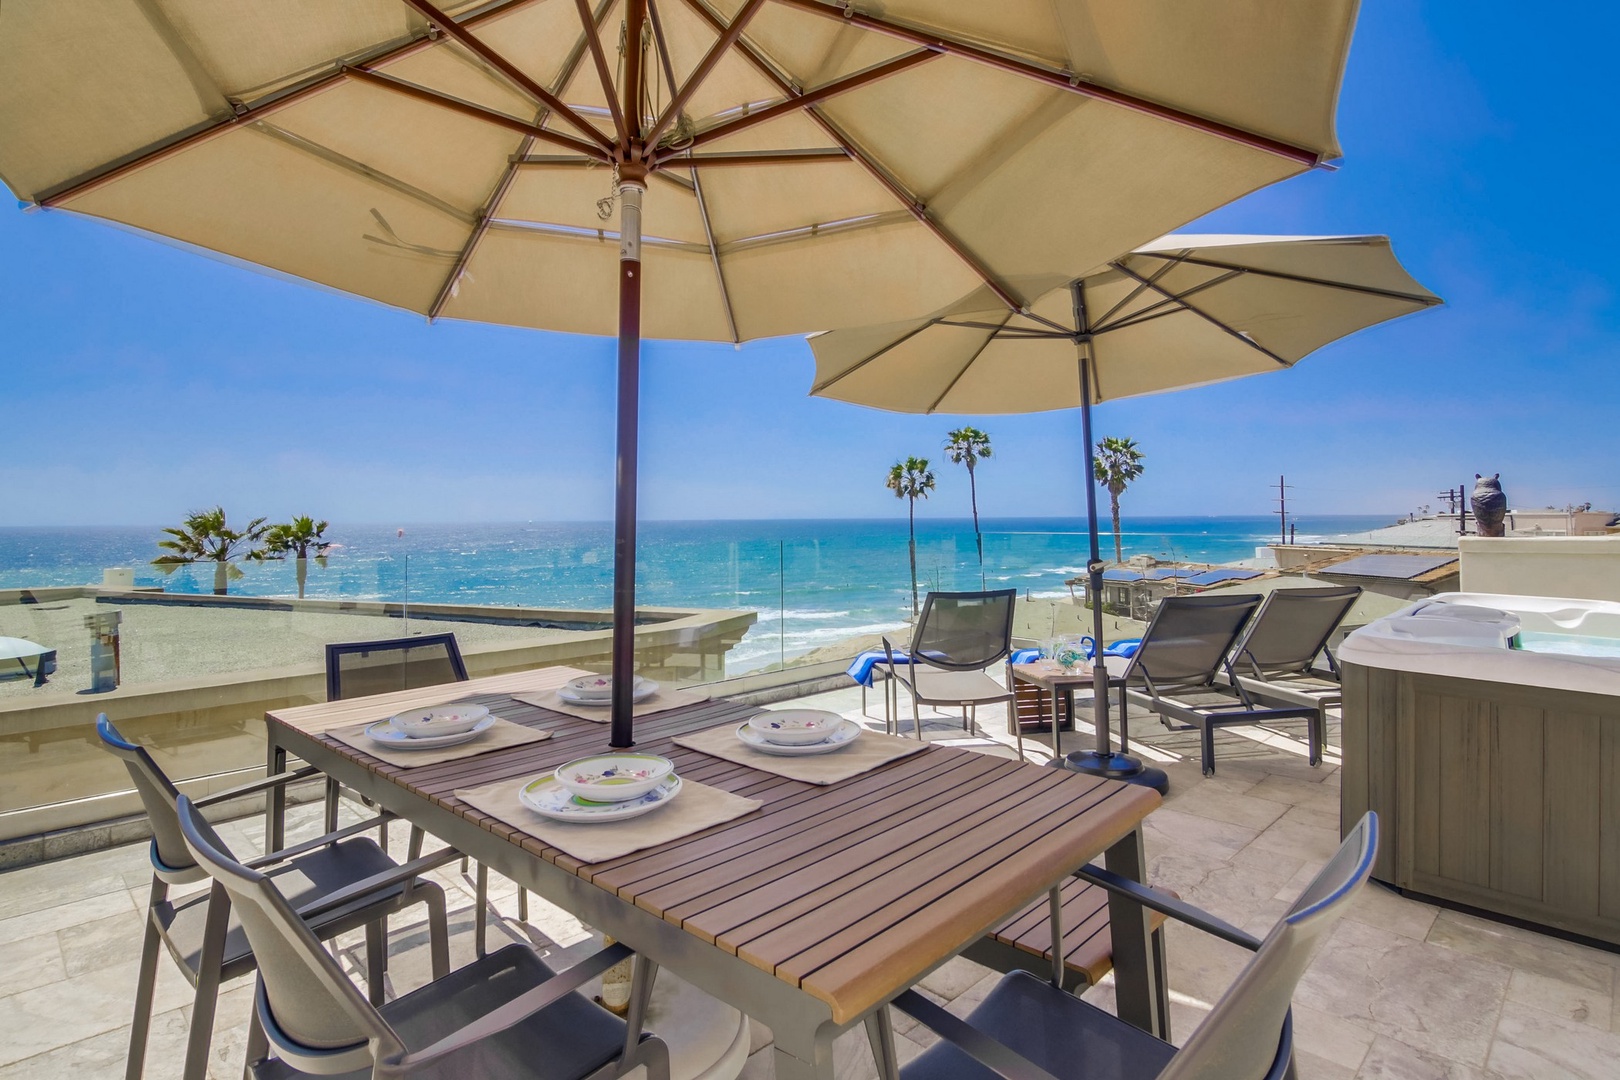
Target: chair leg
[258,1047]
[432,897]
[145,981]
[480,910]
[523,905]
[332,791]
[1161,980]
[376,958]
[1206,747]
[916,714]
[880,1033]
[1316,732]
[207,996]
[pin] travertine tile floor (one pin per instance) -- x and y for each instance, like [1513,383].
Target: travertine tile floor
[1401,990]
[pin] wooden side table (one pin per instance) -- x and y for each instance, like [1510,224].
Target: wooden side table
[1045,702]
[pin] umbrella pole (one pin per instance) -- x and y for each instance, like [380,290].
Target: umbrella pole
[622,735]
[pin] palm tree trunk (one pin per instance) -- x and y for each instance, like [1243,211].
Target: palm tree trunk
[221,583]
[978,537]
[1119,547]
[303,575]
[911,515]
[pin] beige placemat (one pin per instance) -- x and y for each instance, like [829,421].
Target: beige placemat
[863,755]
[501,734]
[696,808]
[662,701]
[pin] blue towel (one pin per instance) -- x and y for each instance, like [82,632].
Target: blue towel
[1127,647]
[861,668]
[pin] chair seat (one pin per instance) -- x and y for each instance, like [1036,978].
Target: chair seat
[302,880]
[936,687]
[565,1041]
[1053,1029]
[1024,942]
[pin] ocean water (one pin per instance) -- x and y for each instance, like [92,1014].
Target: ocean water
[812,582]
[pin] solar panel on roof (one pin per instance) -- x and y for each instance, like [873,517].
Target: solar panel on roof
[1121,575]
[1215,577]
[1400,567]
[1164,573]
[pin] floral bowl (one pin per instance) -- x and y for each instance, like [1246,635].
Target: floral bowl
[795,727]
[592,687]
[608,778]
[439,720]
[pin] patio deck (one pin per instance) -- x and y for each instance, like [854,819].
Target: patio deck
[1402,989]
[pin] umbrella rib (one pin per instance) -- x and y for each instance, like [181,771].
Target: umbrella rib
[343,161]
[89,181]
[728,37]
[513,73]
[477,112]
[1327,283]
[1134,293]
[714,256]
[895,344]
[1163,307]
[912,205]
[1206,316]
[1060,80]
[593,40]
[1007,331]
[504,184]
[983,345]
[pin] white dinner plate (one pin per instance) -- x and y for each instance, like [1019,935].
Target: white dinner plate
[384,732]
[645,688]
[548,798]
[846,733]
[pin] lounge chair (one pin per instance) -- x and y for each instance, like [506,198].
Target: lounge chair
[506,1015]
[1275,659]
[1027,1029]
[958,636]
[1173,672]
[207,940]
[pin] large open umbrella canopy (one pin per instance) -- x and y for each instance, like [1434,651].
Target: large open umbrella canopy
[799,164]
[1181,311]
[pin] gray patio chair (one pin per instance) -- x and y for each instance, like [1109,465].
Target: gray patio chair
[958,636]
[208,942]
[504,1015]
[1184,649]
[361,668]
[1275,659]
[1027,1029]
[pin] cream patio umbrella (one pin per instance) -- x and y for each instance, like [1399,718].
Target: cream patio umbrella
[1179,312]
[772,166]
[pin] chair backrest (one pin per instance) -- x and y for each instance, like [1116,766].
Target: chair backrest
[1188,639]
[1293,628]
[1241,1036]
[171,861]
[965,631]
[315,1017]
[360,668]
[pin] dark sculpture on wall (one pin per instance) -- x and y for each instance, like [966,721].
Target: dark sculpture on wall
[1489,505]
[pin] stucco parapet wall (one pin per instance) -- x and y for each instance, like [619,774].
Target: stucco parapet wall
[1607,546]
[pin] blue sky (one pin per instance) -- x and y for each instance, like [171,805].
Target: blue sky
[139,381]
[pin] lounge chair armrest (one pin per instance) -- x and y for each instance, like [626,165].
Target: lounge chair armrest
[253,787]
[523,1006]
[1177,909]
[387,879]
[970,1040]
[320,841]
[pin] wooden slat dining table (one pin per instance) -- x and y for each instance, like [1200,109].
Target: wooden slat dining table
[809,914]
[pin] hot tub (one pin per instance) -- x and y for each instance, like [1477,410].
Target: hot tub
[1485,730]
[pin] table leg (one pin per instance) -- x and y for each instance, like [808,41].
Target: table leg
[880,1033]
[1138,979]
[1057,725]
[275,801]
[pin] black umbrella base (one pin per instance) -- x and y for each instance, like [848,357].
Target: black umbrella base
[1115,767]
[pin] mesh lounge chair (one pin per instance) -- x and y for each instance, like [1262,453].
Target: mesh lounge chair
[504,1015]
[958,636]
[1027,1029]
[209,944]
[1275,659]
[362,668]
[1184,649]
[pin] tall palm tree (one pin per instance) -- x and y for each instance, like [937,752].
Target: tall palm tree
[1118,462]
[911,480]
[204,537]
[968,446]
[298,538]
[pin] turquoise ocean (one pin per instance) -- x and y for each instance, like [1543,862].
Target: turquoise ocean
[812,582]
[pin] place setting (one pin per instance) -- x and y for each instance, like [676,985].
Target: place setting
[436,733]
[590,697]
[604,806]
[812,745]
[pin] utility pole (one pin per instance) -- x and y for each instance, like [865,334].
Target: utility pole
[1282,507]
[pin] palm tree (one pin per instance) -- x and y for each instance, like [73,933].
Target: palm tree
[911,479]
[1118,463]
[204,537]
[968,446]
[298,538]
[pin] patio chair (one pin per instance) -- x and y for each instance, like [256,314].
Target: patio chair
[1275,659]
[958,636]
[1184,649]
[360,668]
[1027,1029]
[504,1015]
[208,942]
